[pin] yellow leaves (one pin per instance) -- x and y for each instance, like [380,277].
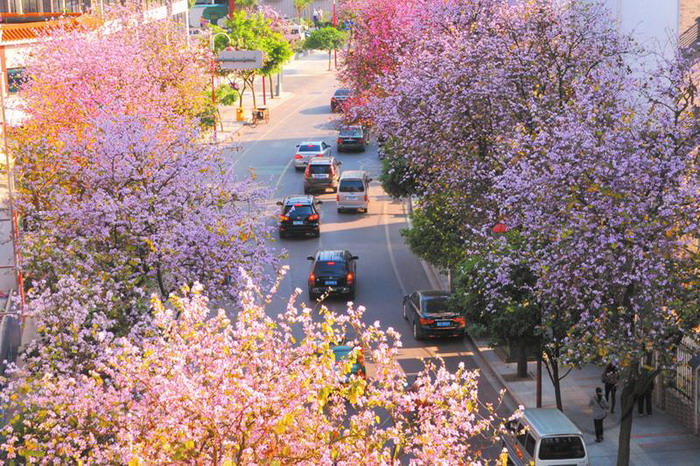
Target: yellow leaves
[284,423]
[150,245]
[135,461]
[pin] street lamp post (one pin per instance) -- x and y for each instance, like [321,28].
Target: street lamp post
[335,25]
[213,70]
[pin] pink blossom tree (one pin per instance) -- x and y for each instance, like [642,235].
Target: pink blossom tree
[260,390]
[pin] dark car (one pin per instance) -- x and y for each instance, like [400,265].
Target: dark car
[299,216]
[429,315]
[338,99]
[332,272]
[321,173]
[354,137]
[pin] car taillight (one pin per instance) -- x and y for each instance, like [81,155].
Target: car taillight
[338,141]
[312,279]
[313,217]
[337,198]
[426,321]
[349,278]
[361,140]
[366,198]
[283,218]
[307,172]
[297,156]
[460,321]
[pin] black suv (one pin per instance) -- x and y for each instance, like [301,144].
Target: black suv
[354,137]
[332,272]
[299,215]
[430,316]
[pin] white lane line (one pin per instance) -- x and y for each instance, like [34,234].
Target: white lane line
[391,252]
[281,177]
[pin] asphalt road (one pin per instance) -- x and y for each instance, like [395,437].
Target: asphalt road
[387,270]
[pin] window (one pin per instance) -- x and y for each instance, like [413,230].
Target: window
[561,448]
[15,78]
[435,304]
[319,169]
[530,444]
[336,267]
[351,132]
[298,210]
[351,186]
[310,148]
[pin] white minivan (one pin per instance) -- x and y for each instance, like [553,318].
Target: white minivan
[545,437]
[353,190]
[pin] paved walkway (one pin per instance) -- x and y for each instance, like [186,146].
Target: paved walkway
[656,440]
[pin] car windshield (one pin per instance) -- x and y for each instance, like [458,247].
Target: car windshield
[561,448]
[351,132]
[351,186]
[342,93]
[434,304]
[337,267]
[298,209]
[309,148]
[319,169]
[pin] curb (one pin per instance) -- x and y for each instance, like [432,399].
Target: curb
[433,274]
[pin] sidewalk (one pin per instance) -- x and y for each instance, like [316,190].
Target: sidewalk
[658,439]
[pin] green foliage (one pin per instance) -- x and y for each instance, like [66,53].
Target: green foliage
[396,178]
[278,51]
[226,95]
[328,38]
[299,5]
[515,316]
[434,235]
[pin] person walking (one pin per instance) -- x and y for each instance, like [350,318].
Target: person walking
[314,17]
[600,411]
[611,377]
[645,399]
[320,14]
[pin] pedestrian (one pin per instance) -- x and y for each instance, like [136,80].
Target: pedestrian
[314,16]
[645,399]
[600,412]
[320,14]
[611,377]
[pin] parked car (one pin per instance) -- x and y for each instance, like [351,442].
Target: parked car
[338,99]
[353,190]
[306,150]
[429,315]
[547,437]
[321,174]
[299,215]
[355,137]
[333,272]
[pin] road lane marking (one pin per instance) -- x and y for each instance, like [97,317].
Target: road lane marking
[392,259]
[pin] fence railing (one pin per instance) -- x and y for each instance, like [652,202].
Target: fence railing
[690,36]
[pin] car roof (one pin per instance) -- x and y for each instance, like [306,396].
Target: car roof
[431,293]
[299,199]
[351,127]
[353,174]
[342,90]
[320,161]
[550,421]
[334,255]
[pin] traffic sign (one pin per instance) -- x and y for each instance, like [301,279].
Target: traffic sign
[240,59]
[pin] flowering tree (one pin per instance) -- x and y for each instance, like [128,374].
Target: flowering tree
[259,390]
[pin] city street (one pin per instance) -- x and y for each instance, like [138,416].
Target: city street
[387,270]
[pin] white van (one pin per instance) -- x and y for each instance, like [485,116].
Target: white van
[353,190]
[545,437]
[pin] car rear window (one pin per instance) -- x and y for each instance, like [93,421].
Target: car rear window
[342,92]
[561,448]
[319,169]
[351,133]
[351,186]
[309,148]
[330,267]
[298,209]
[435,304]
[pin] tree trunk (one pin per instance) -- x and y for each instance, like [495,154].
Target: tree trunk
[252,87]
[522,358]
[556,382]
[272,94]
[329,60]
[627,405]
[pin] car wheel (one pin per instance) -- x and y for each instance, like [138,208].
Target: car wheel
[283,234]
[298,168]
[405,314]
[306,190]
[417,332]
[312,296]
[351,295]
[317,233]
